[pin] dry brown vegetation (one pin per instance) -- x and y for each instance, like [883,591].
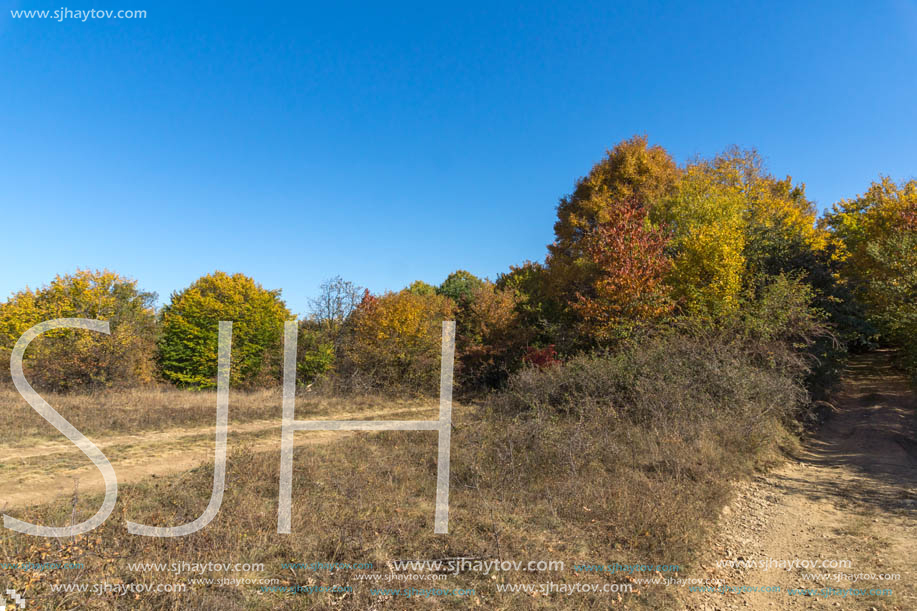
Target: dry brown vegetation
[623,458]
[164,407]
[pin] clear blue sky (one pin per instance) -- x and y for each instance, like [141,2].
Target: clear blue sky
[399,141]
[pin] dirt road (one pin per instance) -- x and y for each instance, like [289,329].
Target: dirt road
[50,469]
[850,497]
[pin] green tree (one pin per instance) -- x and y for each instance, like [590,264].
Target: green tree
[538,308]
[315,353]
[70,359]
[190,329]
[893,290]
[459,285]
[874,236]
[419,287]
[319,334]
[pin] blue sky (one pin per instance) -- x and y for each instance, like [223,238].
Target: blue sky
[395,141]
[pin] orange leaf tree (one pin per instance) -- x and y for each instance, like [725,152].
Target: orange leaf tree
[628,267]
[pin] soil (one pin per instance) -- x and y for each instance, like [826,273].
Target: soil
[850,495]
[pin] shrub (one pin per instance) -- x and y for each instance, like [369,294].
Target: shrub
[541,357]
[490,338]
[70,359]
[634,451]
[314,352]
[672,377]
[190,330]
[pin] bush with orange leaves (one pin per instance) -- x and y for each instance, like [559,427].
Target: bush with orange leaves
[491,337]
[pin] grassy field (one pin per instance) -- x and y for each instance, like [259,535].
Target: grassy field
[364,498]
[580,486]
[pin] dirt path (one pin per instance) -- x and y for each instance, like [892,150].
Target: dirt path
[42,472]
[851,496]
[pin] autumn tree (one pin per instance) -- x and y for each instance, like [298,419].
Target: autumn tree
[72,359]
[631,170]
[490,336]
[627,270]
[190,328]
[393,341]
[781,232]
[707,222]
[885,210]
[576,272]
[875,236]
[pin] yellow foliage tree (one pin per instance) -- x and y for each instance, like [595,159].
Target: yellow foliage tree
[707,222]
[188,339]
[770,204]
[395,338]
[69,359]
[885,209]
[875,239]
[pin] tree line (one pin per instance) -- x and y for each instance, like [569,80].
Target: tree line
[642,245]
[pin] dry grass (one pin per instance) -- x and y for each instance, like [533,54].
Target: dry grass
[534,476]
[162,408]
[369,498]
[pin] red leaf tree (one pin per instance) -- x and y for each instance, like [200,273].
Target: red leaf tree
[628,264]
